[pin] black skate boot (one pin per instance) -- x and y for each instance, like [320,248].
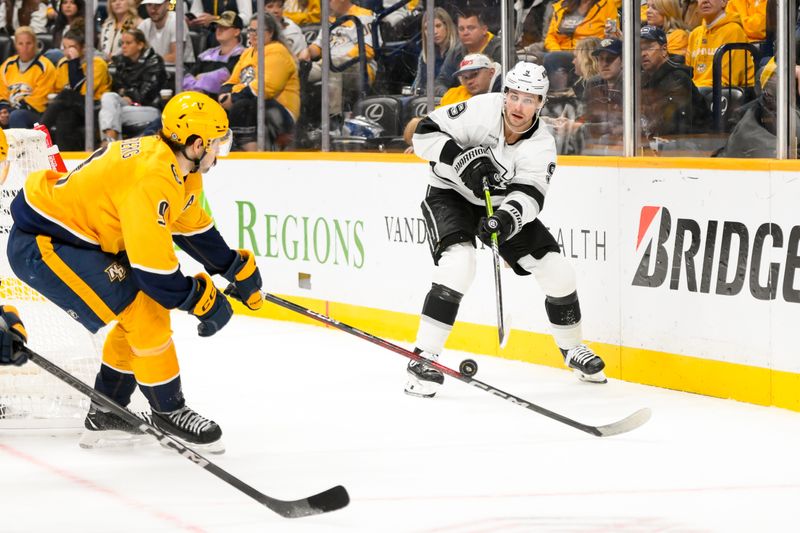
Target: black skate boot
[585,363]
[104,429]
[423,381]
[191,428]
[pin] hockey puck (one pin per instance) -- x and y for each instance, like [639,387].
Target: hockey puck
[468,367]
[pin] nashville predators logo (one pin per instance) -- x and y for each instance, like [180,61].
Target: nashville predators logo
[116,272]
[248,74]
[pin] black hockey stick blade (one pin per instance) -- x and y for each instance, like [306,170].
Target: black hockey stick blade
[622,426]
[329,500]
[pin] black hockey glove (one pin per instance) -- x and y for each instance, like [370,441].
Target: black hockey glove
[472,165]
[12,337]
[501,223]
[245,280]
[208,305]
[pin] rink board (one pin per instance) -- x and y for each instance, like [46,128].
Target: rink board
[687,268]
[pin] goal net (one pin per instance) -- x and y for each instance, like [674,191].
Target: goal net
[29,396]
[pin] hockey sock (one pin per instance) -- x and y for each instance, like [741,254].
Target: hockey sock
[438,316]
[565,316]
[164,397]
[115,384]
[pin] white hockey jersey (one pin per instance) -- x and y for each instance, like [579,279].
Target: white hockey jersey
[525,167]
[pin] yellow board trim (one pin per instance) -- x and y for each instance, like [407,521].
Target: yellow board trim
[709,163]
[72,280]
[761,386]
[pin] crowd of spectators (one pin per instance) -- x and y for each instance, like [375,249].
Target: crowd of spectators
[379,47]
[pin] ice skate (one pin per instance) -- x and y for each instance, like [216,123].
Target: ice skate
[585,363]
[192,429]
[423,381]
[106,429]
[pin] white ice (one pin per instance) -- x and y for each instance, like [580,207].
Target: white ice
[305,408]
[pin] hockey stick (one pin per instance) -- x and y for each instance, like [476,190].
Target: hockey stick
[498,289]
[615,428]
[329,500]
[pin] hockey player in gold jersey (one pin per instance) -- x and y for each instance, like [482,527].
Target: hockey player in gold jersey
[98,242]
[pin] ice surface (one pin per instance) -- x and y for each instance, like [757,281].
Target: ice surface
[304,408]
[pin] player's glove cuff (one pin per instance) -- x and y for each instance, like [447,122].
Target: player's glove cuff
[245,280]
[208,305]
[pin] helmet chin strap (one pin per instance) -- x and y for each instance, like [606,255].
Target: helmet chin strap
[195,162]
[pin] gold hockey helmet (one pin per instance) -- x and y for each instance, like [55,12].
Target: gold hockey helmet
[193,113]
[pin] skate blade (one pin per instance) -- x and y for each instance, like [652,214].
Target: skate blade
[598,377]
[216,448]
[111,439]
[421,390]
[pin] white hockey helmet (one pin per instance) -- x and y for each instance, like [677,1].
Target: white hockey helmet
[528,78]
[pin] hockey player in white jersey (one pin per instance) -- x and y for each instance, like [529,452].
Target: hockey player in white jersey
[498,137]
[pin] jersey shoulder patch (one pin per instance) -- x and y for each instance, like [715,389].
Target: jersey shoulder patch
[455,110]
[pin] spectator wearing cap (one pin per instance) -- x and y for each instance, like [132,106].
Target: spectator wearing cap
[716,29]
[214,66]
[666,14]
[160,32]
[478,75]
[292,33]
[753,14]
[474,38]
[575,19]
[671,103]
[26,79]
[203,14]
[122,16]
[603,100]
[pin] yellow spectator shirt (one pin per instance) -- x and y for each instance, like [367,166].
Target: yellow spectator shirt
[33,85]
[281,81]
[454,95]
[592,25]
[677,41]
[311,14]
[102,80]
[753,15]
[704,42]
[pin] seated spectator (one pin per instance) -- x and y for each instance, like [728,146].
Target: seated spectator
[65,115]
[5,112]
[478,75]
[691,15]
[666,14]
[444,40]
[214,66]
[122,16]
[292,33]
[71,14]
[586,64]
[753,14]
[25,80]
[281,89]
[303,12]
[159,31]
[718,28]
[204,13]
[671,103]
[139,76]
[343,86]
[755,134]
[474,38]
[603,100]
[27,13]
[574,20]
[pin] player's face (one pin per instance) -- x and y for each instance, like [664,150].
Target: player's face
[218,148]
[520,108]
[25,45]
